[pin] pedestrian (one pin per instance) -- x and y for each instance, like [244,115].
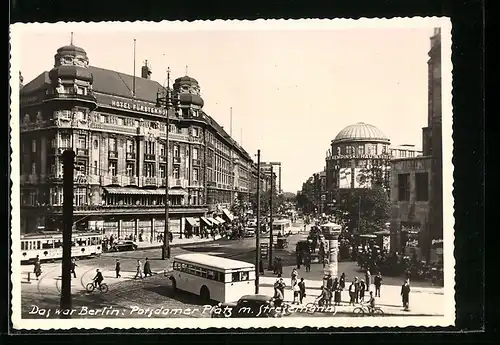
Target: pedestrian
[147,268]
[377,281]
[356,286]
[368,279]
[117,268]
[278,298]
[37,269]
[302,286]
[307,262]
[294,277]
[362,289]
[299,260]
[342,281]
[296,293]
[405,294]
[138,272]
[280,285]
[337,297]
[73,265]
[352,293]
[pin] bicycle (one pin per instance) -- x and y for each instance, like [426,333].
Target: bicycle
[319,304]
[364,309]
[91,287]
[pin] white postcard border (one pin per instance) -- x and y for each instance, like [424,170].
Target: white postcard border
[296,322]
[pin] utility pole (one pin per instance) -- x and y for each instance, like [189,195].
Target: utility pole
[270,264]
[164,98]
[257,235]
[68,173]
[359,214]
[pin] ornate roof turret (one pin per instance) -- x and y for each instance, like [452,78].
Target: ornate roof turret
[188,90]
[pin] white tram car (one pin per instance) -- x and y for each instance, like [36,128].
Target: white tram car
[48,245]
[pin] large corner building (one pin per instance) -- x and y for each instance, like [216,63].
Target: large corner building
[111,121]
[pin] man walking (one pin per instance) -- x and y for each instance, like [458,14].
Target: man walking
[352,293]
[368,279]
[139,270]
[302,287]
[147,268]
[405,294]
[377,281]
[117,268]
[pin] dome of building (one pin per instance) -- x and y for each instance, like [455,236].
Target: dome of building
[361,132]
[186,80]
[187,98]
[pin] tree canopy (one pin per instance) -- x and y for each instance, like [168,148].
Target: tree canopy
[366,209]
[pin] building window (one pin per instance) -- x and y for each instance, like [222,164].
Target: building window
[95,168]
[149,169]
[196,132]
[130,146]
[195,174]
[80,197]
[33,168]
[403,187]
[162,150]
[112,168]
[422,186]
[176,173]
[130,169]
[33,146]
[112,144]
[96,144]
[162,171]
[176,151]
[82,142]
[361,150]
[150,147]
[384,149]
[195,153]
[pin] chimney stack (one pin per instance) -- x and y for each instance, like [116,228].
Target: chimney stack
[146,70]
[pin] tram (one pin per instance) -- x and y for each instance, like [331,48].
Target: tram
[48,245]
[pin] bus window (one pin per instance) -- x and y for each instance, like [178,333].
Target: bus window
[23,245]
[235,277]
[176,266]
[47,244]
[197,271]
[184,268]
[38,245]
[57,244]
[190,269]
[30,245]
[204,273]
[244,276]
[211,275]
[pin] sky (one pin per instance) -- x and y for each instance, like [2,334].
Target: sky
[291,91]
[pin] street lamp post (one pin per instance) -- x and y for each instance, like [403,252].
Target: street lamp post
[164,99]
[257,234]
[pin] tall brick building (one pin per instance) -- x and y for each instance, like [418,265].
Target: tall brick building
[111,121]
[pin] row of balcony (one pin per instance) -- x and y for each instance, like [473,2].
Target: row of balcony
[117,209]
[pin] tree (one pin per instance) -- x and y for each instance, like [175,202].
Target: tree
[265,198]
[367,209]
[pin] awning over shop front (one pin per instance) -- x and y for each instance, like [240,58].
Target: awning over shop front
[193,222]
[228,214]
[220,220]
[139,191]
[206,221]
[213,221]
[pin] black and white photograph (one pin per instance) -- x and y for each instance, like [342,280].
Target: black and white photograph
[289,173]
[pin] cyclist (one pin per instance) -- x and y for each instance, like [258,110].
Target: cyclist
[98,279]
[371,303]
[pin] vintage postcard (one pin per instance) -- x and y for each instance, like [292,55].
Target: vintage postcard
[232,174]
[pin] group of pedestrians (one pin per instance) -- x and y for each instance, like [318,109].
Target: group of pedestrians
[298,287]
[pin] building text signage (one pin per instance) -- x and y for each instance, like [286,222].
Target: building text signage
[80,179]
[138,107]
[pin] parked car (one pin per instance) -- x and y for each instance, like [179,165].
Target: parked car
[246,306]
[122,246]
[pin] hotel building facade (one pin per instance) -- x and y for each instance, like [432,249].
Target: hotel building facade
[111,121]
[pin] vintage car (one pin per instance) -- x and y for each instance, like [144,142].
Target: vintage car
[247,306]
[122,246]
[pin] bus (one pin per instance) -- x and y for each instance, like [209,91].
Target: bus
[282,225]
[47,245]
[213,278]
